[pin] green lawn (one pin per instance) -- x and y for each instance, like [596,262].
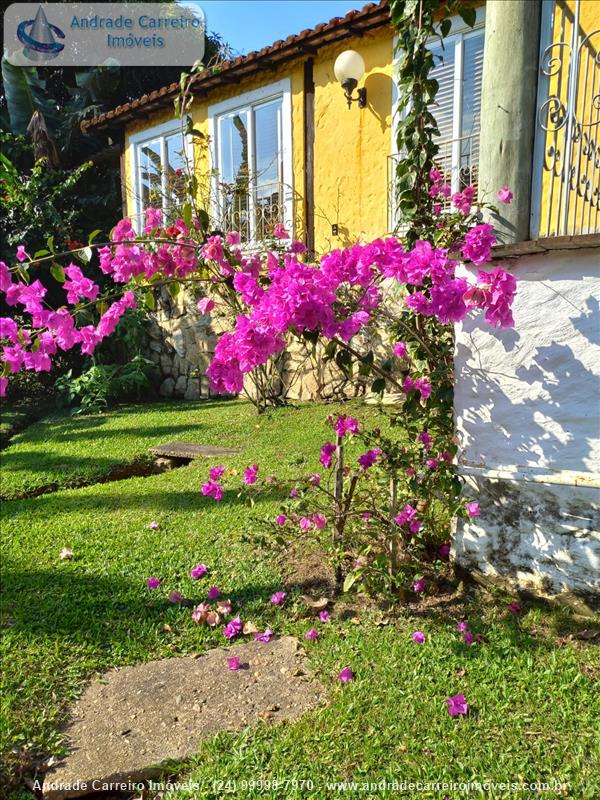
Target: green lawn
[533,691]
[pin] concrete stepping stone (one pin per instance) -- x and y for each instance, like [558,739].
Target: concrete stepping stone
[132,720]
[191,451]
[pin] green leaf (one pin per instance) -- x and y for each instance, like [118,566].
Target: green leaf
[468,15]
[173,289]
[25,92]
[50,243]
[93,235]
[203,219]
[150,300]
[57,273]
[350,580]
[40,253]
[186,214]
[378,386]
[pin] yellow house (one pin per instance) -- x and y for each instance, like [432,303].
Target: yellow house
[282,144]
[518,105]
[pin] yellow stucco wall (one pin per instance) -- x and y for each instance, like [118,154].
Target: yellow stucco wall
[351,145]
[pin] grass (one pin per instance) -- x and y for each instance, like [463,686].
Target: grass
[534,703]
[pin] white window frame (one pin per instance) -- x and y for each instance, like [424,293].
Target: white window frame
[459,31]
[137,140]
[274,91]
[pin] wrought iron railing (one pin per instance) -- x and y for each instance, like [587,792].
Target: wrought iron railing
[251,209]
[457,159]
[566,183]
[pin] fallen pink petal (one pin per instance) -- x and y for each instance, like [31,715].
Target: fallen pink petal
[457,705]
[419,637]
[278,598]
[198,571]
[312,635]
[515,608]
[264,637]
[324,616]
[175,597]
[346,675]
[154,525]
[153,583]
[213,593]
[233,628]
[233,663]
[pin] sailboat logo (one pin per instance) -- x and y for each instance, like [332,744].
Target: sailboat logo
[38,37]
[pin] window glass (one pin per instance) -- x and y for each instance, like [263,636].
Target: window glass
[150,178]
[233,171]
[175,171]
[268,190]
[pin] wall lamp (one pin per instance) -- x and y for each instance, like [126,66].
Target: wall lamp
[349,68]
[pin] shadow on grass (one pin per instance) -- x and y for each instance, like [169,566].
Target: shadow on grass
[161,498]
[104,611]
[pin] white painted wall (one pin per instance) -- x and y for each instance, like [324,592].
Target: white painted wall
[527,410]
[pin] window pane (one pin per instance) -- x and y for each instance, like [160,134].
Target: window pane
[443,73]
[233,171]
[150,188]
[267,159]
[175,171]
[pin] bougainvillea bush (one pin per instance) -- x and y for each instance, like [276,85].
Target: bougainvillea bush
[270,297]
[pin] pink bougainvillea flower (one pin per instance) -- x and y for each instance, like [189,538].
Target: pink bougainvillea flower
[320,520]
[312,634]
[344,425]
[278,598]
[472,509]
[213,593]
[233,628]
[233,238]
[468,638]
[400,350]
[212,619]
[478,244]
[216,473]
[264,637]
[346,675]
[280,520]
[432,463]
[418,586]
[294,493]
[280,232]
[425,439]
[505,195]
[462,626]
[457,705]
[205,305]
[21,254]
[250,474]
[406,515]
[233,663]
[314,479]
[224,607]
[305,523]
[66,554]
[153,583]
[200,613]
[444,551]
[198,571]
[419,637]
[415,526]
[327,452]
[366,515]
[175,597]
[154,525]
[368,458]
[515,608]
[324,616]
[213,489]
